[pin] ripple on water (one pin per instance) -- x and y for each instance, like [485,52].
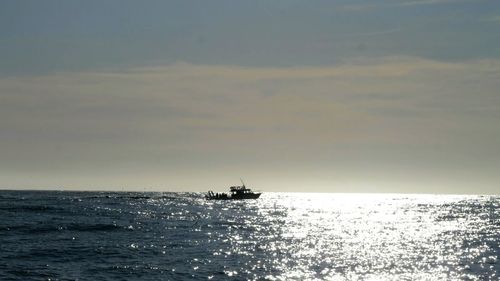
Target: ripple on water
[162,236]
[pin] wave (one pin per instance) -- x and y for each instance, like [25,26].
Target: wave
[93,227]
[133,197]
[78,227]
[30,208]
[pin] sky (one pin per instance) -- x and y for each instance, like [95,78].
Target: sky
[397,96]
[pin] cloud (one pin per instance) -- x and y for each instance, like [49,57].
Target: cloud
[399,3]
[377,33]
[491,19]
[366,116]
[432,2]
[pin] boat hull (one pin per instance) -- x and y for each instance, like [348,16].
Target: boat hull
[236,197]
[245,196]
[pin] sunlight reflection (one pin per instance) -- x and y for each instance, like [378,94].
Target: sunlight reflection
[378,236]
[312,236]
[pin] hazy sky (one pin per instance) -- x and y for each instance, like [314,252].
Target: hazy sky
[328,96]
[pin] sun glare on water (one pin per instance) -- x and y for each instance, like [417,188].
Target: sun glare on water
[362,237]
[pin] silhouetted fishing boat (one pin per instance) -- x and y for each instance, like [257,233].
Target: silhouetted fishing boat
[236,193]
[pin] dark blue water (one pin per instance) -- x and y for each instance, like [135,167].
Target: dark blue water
[281,236]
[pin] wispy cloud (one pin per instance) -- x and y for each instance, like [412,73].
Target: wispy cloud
[400,3]
[169,120]
[432,2]
[361,7]
[376,33]
[491,18]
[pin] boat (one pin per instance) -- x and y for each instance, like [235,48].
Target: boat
[236,193]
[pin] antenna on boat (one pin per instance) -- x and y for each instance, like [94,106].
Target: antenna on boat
[242,182]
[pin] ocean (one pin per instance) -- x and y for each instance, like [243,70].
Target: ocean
[57,235]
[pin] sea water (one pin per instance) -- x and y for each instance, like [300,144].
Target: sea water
[281,236]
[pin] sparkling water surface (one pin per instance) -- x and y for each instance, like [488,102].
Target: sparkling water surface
[281,236]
